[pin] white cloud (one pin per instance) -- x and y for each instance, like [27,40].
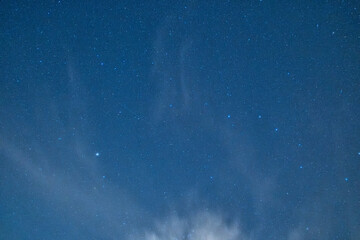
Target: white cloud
[200,226]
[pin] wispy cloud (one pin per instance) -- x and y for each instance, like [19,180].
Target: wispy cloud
[64,174]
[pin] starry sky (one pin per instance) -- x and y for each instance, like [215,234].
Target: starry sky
[180,120]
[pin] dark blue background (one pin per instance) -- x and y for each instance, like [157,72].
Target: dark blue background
[115,115]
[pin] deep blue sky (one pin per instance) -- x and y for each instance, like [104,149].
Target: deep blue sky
[194,120]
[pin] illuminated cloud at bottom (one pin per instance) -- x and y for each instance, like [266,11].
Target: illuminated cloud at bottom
[200,226]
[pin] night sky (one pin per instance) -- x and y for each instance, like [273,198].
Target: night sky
[180,120]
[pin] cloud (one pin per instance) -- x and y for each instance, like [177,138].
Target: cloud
[62,174]
[172,73]
[200,226]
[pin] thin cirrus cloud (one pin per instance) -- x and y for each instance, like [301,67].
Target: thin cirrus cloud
[65,177]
